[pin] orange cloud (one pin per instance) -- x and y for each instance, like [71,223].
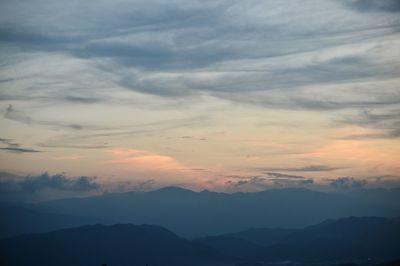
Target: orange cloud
[144,160]
[362,155]
[165,170]
[69,157]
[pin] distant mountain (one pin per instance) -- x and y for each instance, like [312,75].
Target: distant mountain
[343,239]
[364,241]
[120,245]
[172,191]
[361,241]
[231,246]
[247,243]
[264,236]
[198,214]
[378,196]
[23,219]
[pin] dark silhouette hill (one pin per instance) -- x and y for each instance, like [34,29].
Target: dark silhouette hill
[247,243]
[361,241]
[121,245]
[231,246]
[198,214]
[351,238]
[264,236]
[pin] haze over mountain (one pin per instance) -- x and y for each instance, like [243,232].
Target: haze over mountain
[122,245]
[22,219]
[367,240]
[196,214]
[347,239]
[204,213]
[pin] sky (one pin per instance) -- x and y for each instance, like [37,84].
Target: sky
[105,96]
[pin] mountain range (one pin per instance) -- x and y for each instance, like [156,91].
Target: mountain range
[198,214]
[122,245]
[361,241]
[345,239]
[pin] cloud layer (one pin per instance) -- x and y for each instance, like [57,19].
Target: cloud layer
[242,51]
[309,88]
[45,181]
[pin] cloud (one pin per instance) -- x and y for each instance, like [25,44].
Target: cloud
[73,62]
[35,184]
[69,157]
[148,33]
[146,185]
[74,146]
[286,180]
[15,147]
[289,182]
[85,100]
[279,175]
[181,48]
[374,5]
[348,183]
[8,142]
[264,182]
[308,168]
[251,181]
[386,121]
[141,160]
[92,137]
[15,115]
[19,150]
[129,186]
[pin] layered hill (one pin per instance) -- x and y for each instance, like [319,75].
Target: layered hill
[121,245]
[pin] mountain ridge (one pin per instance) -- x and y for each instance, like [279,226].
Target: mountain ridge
[199,214]
[121,244]
[361,240]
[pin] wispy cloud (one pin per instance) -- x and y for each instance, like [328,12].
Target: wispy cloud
[45,186]
[386,121]
[266,181]
[289,182]
[69,157]
[307,168]
[36,183]
[183,48]
[143,160]
[348,183]
[374,5]
[279,175]
[15,147]
[19,116]
[102,75]
[18,150]
[248,182]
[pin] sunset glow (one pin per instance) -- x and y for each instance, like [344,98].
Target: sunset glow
[233,89]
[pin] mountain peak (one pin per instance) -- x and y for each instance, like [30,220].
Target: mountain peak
[121,244]
[172,189]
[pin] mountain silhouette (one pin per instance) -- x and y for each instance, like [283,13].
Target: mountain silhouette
[343,239]
[361,241]
[198,214]
[346,239]
[264,236]
[231,246]
[122,244]
[24,219]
